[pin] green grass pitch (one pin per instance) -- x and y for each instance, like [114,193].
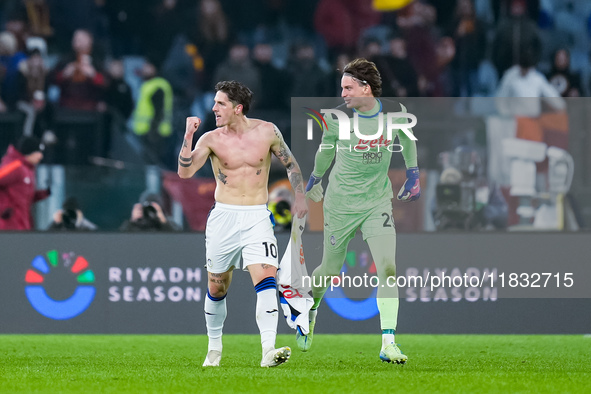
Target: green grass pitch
[335,364]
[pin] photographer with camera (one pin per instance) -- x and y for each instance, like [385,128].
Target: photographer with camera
[148,215]
[71,218]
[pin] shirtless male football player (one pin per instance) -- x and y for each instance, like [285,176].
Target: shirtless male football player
[239,224]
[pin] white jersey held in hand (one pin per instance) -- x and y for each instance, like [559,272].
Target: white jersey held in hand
[296,300]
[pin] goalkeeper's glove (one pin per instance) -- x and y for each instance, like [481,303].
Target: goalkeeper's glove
[411,190]
[314,190]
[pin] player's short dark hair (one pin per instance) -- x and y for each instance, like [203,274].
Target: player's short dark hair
[365,72]
[237,92]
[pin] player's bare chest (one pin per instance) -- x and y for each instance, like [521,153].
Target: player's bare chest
[238,152]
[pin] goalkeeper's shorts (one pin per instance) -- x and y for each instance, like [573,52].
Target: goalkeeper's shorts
[340,226]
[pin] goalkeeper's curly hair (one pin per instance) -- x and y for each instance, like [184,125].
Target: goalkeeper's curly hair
[366,73]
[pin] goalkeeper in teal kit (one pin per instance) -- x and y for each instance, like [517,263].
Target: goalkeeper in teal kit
[359,194]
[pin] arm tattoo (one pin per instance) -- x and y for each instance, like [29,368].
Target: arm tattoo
[185,144]
[297,181]
[284,153]
[185,161]
[222,177]
[293,171]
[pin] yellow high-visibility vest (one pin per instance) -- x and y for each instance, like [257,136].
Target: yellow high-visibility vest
[390,5]
[144,110]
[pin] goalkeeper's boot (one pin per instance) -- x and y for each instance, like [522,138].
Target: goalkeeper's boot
[275,357]
[305,341]
[392,354]
[213,358]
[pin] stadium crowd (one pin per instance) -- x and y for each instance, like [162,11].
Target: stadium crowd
[76,74]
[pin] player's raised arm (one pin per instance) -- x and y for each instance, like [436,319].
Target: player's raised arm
[191,162]
[294,173]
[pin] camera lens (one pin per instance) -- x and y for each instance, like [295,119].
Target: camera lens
[149,211]
[69,217]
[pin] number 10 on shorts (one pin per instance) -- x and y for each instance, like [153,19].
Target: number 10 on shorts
[270,248]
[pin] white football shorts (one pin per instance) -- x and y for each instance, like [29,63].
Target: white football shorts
[235,230]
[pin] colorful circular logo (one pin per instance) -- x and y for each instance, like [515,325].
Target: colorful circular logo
[66,309]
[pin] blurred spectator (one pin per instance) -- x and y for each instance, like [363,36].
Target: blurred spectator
[399,78]
[119,102]
[524,80]
[470,43]
[418,13]
[79,78]
[371,48]
[239,67]
[515,34]
[416,25]
[336,74]
[163,25]
[307,78]
[18,183]
[211,37]
[19,29]
[566,82]
[183,69]
[340,22]
[273,80]
[68,16]
[118,94]
[39,17]
[152,118]
[10,57]
[71,218]
[148,215]
[79,118]
[502,8]
[32,88]
[446,51]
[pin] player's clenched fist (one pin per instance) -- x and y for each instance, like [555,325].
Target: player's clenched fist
[193,123]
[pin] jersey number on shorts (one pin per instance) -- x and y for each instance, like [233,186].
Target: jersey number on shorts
[272,248]
[388,219]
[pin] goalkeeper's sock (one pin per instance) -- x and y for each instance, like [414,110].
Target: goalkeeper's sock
[215,315]
[317,302]
[388,308]
[266,312]
[312,314]
[388,337]
[332,262]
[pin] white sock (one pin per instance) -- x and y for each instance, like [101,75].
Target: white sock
[388,337]
[312,314]
[215,315]
[266,312]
